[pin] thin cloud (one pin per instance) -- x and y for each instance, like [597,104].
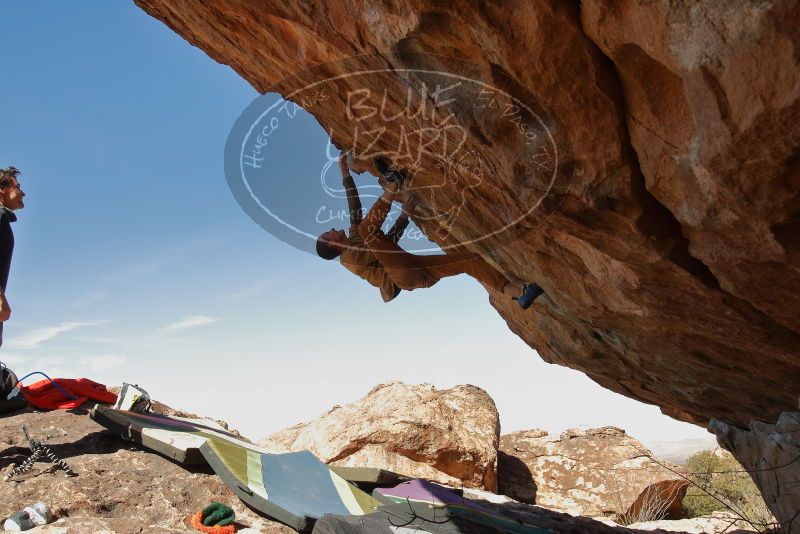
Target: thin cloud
[251,291]
[35,337]
[160,260]
[193,321]
[98,364]
[53,366]
[13,358]
[90,298]
[136,342]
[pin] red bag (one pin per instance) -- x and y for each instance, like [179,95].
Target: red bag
[45,396]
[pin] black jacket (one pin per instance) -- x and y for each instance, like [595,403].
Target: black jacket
[6,243]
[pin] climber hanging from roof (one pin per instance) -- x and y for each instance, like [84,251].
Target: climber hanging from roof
[376,257]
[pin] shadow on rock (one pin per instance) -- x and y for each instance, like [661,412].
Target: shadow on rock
[515,478]
[556,521]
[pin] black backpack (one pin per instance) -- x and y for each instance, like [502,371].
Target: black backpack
[8,381]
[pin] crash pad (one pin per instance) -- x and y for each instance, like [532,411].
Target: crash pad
[293,488]
[369,475]
[177,438]
[421,498]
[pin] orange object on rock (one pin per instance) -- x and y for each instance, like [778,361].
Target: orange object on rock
[197,522]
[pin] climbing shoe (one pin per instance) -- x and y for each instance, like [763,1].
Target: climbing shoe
[391,175]
[530,292]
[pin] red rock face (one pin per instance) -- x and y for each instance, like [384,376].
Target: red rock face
[670,245]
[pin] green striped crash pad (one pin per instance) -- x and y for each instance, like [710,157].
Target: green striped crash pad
[293,488]
[414,517]
[422,506]
[369,475]
[411,518]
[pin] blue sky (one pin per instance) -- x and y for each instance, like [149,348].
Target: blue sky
[134,262]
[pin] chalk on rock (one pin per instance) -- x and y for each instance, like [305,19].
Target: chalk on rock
[18,522]
[39,513]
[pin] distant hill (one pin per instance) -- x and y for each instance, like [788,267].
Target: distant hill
[678,451]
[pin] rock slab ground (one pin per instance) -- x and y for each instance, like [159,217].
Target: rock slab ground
[119,488]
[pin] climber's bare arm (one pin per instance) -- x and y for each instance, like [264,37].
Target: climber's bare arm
[400,225]
[353,200]
[398,228]
[5,309]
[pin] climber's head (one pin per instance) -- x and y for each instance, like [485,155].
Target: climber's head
[330,244]
[11,194]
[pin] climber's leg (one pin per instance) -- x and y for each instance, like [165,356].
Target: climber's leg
[370,227]
[409,271]
[471,264]
[400,265]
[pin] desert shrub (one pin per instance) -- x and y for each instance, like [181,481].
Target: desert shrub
[719,482]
